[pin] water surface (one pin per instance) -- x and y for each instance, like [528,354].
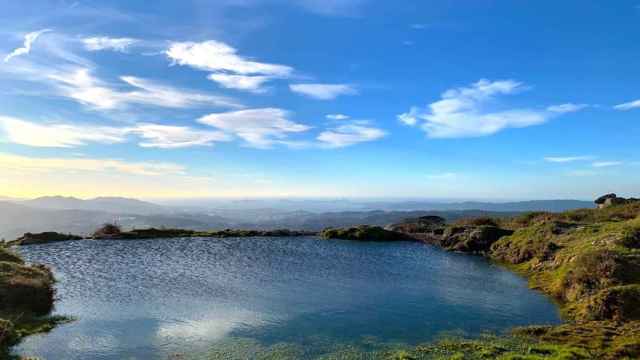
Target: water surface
[151,299]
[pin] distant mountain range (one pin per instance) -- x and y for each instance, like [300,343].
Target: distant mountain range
[106,204]
[531,205]
[72,215]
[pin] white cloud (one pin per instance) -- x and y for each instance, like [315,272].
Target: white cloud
[217,56]
[260,128]
[29,39]
[628,106]
[567,108]
[418,26]
[83,87]
[410,118]
[350,134]
[171,137]
[241,82]
[600,164]
[66,135]
[230,70]
[107,43]
[465,112]
[48,164]
[338,117]
[57,135]
[323,91]
[566,159]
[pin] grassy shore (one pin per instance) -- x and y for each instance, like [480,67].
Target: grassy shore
[26,299]
[588,260]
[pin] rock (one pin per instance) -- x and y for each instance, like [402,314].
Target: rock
[364,233]
[44,238]
[423,224]
[603,198]
[472,239]
[612,199]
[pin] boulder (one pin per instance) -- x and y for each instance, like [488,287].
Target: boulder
[601,200]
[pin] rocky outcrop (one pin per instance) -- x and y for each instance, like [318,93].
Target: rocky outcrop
[364,233]
[612,199]
[43,238]
[423,224]
[477,237]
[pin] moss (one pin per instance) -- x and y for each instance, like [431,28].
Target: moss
[600,339]
[535,241]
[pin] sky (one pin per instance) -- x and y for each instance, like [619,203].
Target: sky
[483,99]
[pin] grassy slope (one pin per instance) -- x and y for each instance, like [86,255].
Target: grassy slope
[589,260]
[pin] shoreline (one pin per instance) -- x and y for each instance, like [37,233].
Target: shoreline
[559,254]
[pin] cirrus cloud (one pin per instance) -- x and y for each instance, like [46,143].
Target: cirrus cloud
[323,91]
[350,134]
[259,128]
[61,135]
[29,39]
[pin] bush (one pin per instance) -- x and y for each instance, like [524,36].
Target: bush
[630,238]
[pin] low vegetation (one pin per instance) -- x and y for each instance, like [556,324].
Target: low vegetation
[26,298]
[43,238]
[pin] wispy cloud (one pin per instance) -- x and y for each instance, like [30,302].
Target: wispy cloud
[29,39]
[57,135]
[323,91]
[463,112]
[61,135]
[83,87]
[628,106]
[107,43]
[229,69]
[173,137]
[47,164]
[241,82]
[567,108]
[601,164]
[350,134]
[337,117]
[259,128]
[567,159]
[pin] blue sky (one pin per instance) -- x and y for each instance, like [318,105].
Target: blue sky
[309,98]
